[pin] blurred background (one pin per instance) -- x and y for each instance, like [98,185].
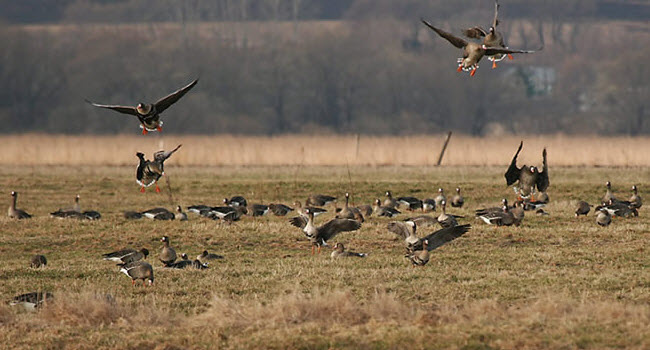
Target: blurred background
[270,67]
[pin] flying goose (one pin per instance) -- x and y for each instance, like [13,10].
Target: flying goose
[180,215]
[208,256]
[37,261]
[391,202]
[319,200]
[319,235]
[472,52]
[299,208]
[491,37]
[149,172]
[138,270]
[457,200]
[411,203]
[441,197]
[149,114]
[127,255]
[15,213]
[608,195]
[340,252]
[502,218]
[528,178]
[167,254]
[32,301]
[279,209]
[435,240]
[447,220]
[603,218]
[582,208]
[386,211]
[635,199]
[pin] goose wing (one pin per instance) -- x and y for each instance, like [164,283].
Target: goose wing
[454,40]
[299,221]
[542,177]
[170,99]
[336,226]
[513,173]
[122,109]
[475,32]
[495,21]
[489,51]
[440,237]
[163,155]
[400,228]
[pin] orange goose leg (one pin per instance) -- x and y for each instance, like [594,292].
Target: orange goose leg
[159,128]
[157,188]
[142,189]
[312,249]
[132,283]
[318,249]
[460,68]
[144,130]
[473,72]
[510,57]
[494,64]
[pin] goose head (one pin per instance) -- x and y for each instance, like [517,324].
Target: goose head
[143,108]
[608,184]
[388,194]
[458,190]
[144,252]
[339,247]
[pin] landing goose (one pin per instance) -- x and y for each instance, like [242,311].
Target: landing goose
[149,172]
[279,209]
[319,235]
[205,256]
[125,256]
[582,208]
[380,210]
[491,38]
[15,213]
[528,179]
[340,252]
[457,200]
[299,208]
[149,114]
[37,261]
[319,200]
[391,202]
[435,240]
[138,270]
[472,52]
[32,301]
[167,254]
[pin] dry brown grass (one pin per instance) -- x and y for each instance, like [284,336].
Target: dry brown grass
[218,150]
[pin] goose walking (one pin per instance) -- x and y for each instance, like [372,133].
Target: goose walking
[138,270]
[149,172]
[149,114]
[14,212]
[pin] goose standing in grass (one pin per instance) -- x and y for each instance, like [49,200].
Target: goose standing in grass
[319,235]
[420,257]
[346,212]
[386,211]
[603,218]
[180,215]
[441,197]
[391,202]
[149,172]
[457,200]
[447,220]
[472,52]
[340,252]
[14,212]
[608,195]
[138,270]
[319,200]
[149,114]
[279,209]
[411,203]
[37,261]
[205,256]
[32,301]
[582,208]
[502,218]
[635,199]
[167,254]
[491,38]
[301,210]
[127,255]
[527,178]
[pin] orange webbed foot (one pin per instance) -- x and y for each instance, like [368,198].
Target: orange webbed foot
[142,189]
[460,68]
[473,72]
[144,131]
[159,128]
[510,57]
[494,64]
[157,189]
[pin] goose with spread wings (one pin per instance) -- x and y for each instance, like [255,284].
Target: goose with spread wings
[420,256]
[150,171]
[319,235]
[491,37]
[472,51]
[528,178]
[149,114]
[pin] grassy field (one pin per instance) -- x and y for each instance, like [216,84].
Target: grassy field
[556,282]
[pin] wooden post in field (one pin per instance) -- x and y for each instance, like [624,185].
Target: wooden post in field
[444,148]
[358,141]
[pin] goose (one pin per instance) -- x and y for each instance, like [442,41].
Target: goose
[457,200]
[411,203]
[258,210]
[208,256]
[365,210]
[543,197]
[15,213]
[149,172]
[502,218]
[423,220]
[132,215]
[158,214]
[125,256]
[279,209]
[447,220]
[472,52]
[391,202]
[582,208]
[236,201]
[180,215]
[67,214]
[346,212]
[299,208]
[407,231]
[75,212]
[608,195]
[518,212]
[491,37]
[528,178]
[186,262]
[527,204]
[635,199]
[619,208]
[37,261]
[340,252]
[441,197]
[149,114]
[138,270]
[428,205]
[319,235]
[32,301]
[379,210]
[167,254]
[435,240]
[492,210]
[603,218]
[319,200]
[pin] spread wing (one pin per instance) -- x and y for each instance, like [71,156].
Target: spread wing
[445,235]
[512,174]
[121,109]
[489,51]
[454,40]
[162,155]
[475,32]
[495,21]
[170,99]
[299,221]
[335,226]
[399,228]
[542,178]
